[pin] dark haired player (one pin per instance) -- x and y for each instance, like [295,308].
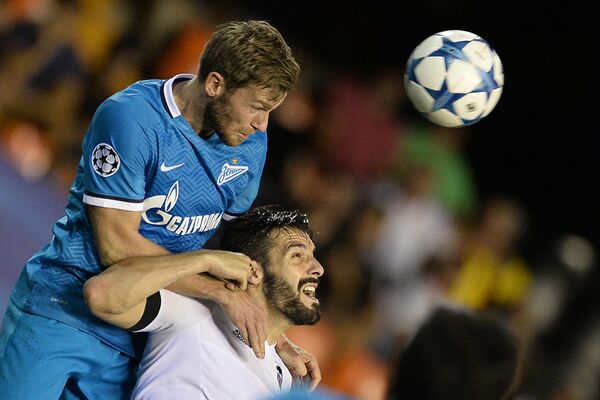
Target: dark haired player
[194,351]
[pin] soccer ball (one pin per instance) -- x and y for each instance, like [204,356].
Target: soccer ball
[454,78]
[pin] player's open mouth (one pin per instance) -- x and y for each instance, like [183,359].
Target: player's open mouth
[310,291]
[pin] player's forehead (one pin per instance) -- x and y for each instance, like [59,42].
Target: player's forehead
[286,239]
[268,97]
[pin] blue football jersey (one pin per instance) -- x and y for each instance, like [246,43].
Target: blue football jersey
[139,154]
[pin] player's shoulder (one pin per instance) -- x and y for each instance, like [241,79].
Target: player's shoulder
[184,304]
[175,312]
[139,101]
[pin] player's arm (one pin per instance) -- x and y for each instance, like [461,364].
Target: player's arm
[117,239]
[118,294]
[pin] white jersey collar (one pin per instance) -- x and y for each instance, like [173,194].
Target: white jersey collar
[167,94]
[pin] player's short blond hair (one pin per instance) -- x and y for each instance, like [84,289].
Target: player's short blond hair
[250,53]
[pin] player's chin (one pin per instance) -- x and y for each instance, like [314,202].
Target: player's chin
[315,312]
[310,314]
[233,139]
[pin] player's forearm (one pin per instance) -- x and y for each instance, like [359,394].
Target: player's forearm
[201,286]
[129,282]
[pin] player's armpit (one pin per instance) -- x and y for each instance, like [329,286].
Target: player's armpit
[117,237]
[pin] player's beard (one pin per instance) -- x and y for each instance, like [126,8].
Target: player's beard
[217,118]
[285,299]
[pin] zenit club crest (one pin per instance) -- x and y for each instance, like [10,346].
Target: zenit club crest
[229,172]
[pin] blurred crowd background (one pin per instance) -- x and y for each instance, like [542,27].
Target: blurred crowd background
[406,220]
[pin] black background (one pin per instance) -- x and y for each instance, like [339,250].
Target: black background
[540,143]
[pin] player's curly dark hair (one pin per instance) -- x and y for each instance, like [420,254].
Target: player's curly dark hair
[252,233]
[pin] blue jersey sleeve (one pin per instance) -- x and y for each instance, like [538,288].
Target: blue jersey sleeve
[117,152]
[244,200]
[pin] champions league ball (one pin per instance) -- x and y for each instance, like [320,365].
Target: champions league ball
[454,78]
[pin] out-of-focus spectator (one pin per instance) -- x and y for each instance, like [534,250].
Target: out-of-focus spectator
[414,249]
[184,50]
[561,325]
[457,355]
[99,24]
[442,151]
[291,133]
[27,148]
[493,274]
[360,127]
[42,77]
[327,195]
[163,26]
[345,230]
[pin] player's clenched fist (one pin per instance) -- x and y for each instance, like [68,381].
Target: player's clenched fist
[228,266]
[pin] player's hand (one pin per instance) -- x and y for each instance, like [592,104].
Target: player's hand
[301,363]
[233,268]
[249,317]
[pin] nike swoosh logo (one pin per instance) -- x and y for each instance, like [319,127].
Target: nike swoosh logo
[165,168]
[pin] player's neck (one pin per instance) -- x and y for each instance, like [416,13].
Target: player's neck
[191,102]
[278,323]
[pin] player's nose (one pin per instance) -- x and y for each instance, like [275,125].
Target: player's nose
[316,269]
[261,121]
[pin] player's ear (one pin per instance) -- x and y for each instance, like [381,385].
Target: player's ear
[256,274]
[214,85]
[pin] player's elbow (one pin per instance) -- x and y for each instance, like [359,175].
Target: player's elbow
[97,297]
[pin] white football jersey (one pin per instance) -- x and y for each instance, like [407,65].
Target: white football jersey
[194,351]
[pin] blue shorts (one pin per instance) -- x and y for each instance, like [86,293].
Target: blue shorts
[41,358]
